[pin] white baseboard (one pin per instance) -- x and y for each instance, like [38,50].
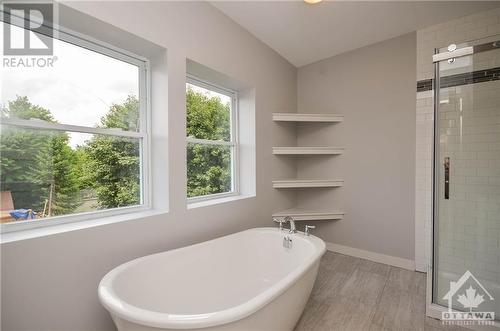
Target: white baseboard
[372,256]
[421,267]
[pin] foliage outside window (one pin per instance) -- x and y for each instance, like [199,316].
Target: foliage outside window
[72,136]
[211,140]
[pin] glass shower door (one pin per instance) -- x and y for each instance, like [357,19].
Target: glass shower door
[466,227]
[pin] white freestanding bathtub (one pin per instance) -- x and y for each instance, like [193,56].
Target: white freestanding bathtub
[246,281]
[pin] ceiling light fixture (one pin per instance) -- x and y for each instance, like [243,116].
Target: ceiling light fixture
[312,2]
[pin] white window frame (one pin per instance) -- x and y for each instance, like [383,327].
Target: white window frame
[143,135]
[233,143]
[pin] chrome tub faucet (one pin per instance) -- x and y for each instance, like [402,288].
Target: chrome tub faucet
[290,220]
[307,228]
[286,219]
[280,221]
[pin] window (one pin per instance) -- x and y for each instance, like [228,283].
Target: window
[74,137]
[212,144]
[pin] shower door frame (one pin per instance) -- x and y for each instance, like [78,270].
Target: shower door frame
[434,310]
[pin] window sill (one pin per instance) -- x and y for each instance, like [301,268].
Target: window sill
[216,201]
[73,226]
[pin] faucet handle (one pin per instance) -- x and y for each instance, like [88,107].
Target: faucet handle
[279,220]
[307,228]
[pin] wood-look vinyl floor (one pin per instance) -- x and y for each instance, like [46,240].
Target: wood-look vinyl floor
[352,294]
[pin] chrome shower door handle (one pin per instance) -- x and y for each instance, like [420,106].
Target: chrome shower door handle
[446,178]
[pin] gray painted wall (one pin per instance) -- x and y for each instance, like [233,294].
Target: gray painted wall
[50,283]
[374,87]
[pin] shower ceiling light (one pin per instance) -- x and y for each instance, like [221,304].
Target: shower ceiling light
[312,2]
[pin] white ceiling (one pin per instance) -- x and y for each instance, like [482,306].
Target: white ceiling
[305,33]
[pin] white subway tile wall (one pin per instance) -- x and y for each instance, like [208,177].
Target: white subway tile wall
[473,227]
[423,178]
[456,31]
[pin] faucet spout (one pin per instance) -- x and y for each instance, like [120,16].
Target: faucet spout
[290,220]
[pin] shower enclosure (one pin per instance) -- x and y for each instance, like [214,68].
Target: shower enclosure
[466,222]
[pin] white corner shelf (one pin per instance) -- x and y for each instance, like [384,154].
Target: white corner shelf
[297,117]
[308,150]
[299,214]
[307,183]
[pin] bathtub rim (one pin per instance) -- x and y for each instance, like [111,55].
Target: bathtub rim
[112,302]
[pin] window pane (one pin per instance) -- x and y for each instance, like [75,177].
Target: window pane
[79,88]
[209,169]
[208,114]
[59,173]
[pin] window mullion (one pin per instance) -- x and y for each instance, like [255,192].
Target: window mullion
[42,125]
[210,142]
